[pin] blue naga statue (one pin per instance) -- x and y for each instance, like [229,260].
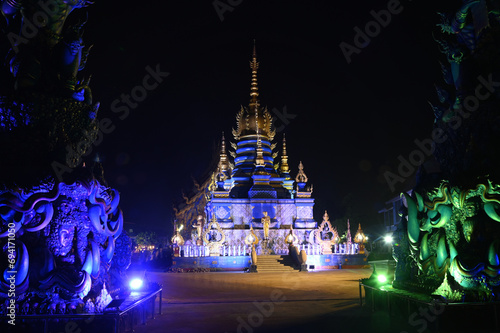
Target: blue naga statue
[64,239]
[62,243]
[47,52]
[47,110]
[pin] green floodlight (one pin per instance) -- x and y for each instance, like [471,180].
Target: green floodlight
[378,279]
[381,278]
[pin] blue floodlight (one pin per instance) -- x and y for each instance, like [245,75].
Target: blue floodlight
[135,284]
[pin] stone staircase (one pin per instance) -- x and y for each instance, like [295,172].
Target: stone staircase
[275,263]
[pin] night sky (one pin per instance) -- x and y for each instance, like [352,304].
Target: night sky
[347,123]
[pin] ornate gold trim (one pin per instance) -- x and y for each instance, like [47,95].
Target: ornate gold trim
[251,238]
[214,246]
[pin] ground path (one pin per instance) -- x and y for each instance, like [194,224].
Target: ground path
[321,301]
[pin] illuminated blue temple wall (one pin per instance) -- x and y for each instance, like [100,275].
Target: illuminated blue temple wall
[239,263]
[240,213]
[235,216]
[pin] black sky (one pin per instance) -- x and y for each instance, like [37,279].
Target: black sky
[352,120]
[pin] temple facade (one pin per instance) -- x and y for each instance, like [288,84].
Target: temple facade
[252,191]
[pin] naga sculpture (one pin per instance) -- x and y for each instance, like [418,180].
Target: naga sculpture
[449,240]
[47,52]
[461,32]
[454,241]
[61,228]
[48,119]
[65,240]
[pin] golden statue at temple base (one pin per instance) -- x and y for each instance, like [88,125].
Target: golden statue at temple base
[200,221]
[266,221]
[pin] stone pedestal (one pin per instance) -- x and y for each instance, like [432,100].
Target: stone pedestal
[265,249]
[176,250]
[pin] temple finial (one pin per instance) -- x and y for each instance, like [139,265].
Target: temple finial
[284,145]
[284,168]
[223,146]
[259,160]
[301,176]
[223,162]
[254,89]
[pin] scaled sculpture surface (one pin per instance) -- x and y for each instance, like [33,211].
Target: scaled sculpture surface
[448,244]
[59,221]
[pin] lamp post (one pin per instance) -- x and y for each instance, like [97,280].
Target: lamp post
[388,239]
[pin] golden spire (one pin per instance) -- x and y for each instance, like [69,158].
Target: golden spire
[223,157]
[360,236]
[284,145]
[254,89]
[259,160]
[284,160]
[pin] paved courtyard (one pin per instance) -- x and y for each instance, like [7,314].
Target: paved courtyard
[323,301]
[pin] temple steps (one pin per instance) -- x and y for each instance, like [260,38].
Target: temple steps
[275,263]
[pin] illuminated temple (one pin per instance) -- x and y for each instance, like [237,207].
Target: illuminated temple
[251,186]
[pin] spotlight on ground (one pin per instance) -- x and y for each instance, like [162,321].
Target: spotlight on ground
[136,284]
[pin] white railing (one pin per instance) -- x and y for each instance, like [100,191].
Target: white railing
[204,251]
[311,249]
[242,250]
[194,251]
[345,248]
